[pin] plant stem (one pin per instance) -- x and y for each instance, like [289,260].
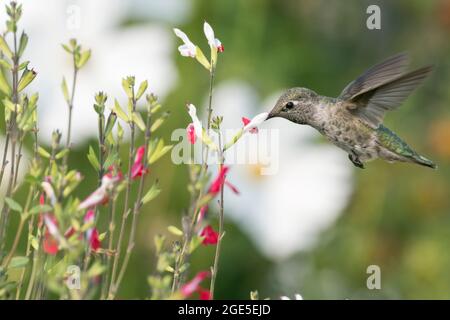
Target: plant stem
[70,105]
[221,225]
[195,208]
[126,210]
[15,243]
[137,206]
[5,154]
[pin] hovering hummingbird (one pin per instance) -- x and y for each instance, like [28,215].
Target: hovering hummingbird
[353,121]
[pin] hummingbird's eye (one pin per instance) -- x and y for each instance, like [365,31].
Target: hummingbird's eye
[289,105]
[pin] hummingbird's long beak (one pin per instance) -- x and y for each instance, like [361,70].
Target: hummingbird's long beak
[270,116]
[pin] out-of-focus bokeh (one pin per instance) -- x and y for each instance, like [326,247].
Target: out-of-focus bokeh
[316,225]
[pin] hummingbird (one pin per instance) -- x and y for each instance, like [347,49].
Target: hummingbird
[354,120]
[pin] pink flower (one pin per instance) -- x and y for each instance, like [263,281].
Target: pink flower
[246,121]
[51,235]
[100,195]
[138,169]
[92,233]
[192,286]
[210,236]
[188,49]
[204,294]
[190,130]
[218,182]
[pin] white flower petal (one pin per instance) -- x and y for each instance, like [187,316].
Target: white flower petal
[197,124]
[209,33]
[256,121]
[187,50]
[298,296]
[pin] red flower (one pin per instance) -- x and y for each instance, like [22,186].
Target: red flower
[92,233]
[218,182]
[246,121]
[190,130]
[51,233]
[138,169]
[204,294]
[192,286]
[210,236]
[221,48]
[100,195]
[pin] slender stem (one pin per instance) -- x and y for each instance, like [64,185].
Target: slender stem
[5,154]
[126,210]
[137,206]
[70,105]
[215,268]
[195,208]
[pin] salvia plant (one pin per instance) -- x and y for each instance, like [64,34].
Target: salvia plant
[60,229]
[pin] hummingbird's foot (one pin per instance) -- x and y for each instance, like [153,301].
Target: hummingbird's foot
[356,162]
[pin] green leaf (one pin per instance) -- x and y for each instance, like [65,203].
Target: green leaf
[127,87]
[5,64]
[66,48]
[174,230]
[195,242]
[22,44]
[13,205]
[18,262]
[62,153]
[27,76]
[156,153]
[84,57]
[151,194]
[23,65]
[64,89]
[119,111]
[137,119]
[142,89]
[43,153]
[92,157]
[40,209]
[96,270]
[5,48]
[4,85]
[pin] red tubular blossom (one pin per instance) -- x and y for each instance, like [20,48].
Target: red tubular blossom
[204,294]
[246,121]
[192,286]
[218,182]
[190,132]
[138,168]
[209,236]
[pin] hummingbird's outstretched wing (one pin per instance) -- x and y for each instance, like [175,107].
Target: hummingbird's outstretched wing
[379,74]
[371,103]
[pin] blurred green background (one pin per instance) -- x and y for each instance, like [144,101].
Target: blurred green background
[397,216]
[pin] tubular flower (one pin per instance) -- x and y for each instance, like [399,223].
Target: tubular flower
[252,125]
[138,169]
[212,40]
[204,294]
[196,124]
[92,233]
[209,235]
[192,286]
[190,132]
[51,235]
[100,195]
[188,49]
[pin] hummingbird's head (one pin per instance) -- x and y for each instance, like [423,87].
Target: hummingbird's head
[296,104]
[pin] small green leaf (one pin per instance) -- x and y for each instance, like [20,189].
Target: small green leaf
[151,194]
[4,85]
[62,153]
[22,44]
[137,119]
[119,111]
[127,87]
[43,153]
[174,230]
[27,76]
[5,64]
[5,48]
[155,153]
[64,89]
[92,157]
[13,205]
[40,209]
[142,89]
[18,262]
[84,57]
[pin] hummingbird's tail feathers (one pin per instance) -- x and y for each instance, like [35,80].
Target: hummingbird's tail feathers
[423,161]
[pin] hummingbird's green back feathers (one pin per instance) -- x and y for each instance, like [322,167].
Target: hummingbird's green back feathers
[395,144]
